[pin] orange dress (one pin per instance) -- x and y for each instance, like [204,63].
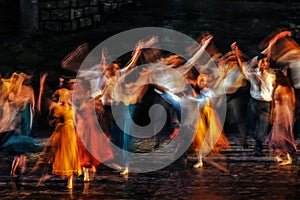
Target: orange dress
[209,135]
[64,146]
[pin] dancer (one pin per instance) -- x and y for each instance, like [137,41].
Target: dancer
[232,83]
[17,107]
[106,118]
[262,81]
[209,135]
[121,88]
[281,138]
[283,49]
[64,140]
[94,147]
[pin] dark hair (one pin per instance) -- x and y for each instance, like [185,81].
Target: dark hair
[282,79]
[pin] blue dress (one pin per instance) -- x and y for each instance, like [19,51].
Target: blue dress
[17,141]
[121,130]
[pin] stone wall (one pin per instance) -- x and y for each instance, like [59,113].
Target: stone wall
[294,18]
[71,15]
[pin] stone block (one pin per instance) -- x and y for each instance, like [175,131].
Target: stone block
[52,26]
[292,25]
[95,2]
[48,4]
[78,13]
[62,14]
[63,4]
[70,26]
[82,3]
[96,18]
[114,6]
[107,7]
[73,3]
[85,22]
[44,15]
[88,11]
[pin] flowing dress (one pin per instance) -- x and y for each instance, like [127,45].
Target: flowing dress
[281,137]
[16,119]
[94,145]
[209,135]
[64,143]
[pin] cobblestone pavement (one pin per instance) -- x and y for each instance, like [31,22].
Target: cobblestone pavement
[234,175]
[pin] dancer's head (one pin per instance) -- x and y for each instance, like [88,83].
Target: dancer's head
[263,62]
[64,96]
[202,81]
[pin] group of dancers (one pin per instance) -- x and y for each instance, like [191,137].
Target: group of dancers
[77,145]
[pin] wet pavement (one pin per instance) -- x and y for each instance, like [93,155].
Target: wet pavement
[234,175]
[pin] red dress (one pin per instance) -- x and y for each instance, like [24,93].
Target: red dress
[94,144]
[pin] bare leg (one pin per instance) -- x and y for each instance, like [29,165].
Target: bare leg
[200,162]
[70,182]
[86,174]
[23,163]
[92,172]
[14,166]
[93,169]
[86,188]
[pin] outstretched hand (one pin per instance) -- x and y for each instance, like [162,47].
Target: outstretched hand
[145,44]
[206,39]
[234,46]
[280,35]
[236,50]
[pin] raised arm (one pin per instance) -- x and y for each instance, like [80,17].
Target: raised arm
[268,49]
[137,52]
[42,83]
[244,68]
[192,61]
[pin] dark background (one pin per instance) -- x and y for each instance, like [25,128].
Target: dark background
[27,44]
[25,41]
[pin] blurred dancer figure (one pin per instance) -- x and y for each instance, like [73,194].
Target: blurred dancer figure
[64,140]
[94,146]
[17,107]
[209,136]
[234,85]
[106,118]
[262,81]
[281,138]
[123,93]
[281,47]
